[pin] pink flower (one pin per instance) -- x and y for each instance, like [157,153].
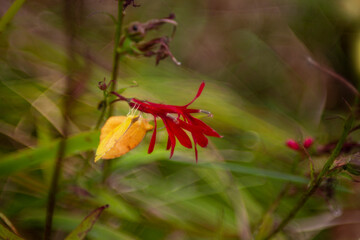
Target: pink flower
[176,119]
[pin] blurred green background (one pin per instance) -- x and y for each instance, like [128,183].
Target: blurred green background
[260,88]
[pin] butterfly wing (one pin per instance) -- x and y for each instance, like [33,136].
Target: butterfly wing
[114,136]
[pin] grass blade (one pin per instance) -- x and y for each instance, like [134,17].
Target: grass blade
[28,158]
[7,234]
[86,225]
[10,13]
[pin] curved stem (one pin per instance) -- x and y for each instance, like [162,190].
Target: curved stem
[315,183]
[334,75]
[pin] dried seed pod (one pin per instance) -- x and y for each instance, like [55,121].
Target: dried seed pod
[353,166]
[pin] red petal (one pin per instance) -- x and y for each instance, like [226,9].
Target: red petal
[153,137]
[196,152]
[141,106]
[164,108]
[201,139]
[202,85]
[196,132]
[180,134]
[171,136]
[168,145]
[206,129]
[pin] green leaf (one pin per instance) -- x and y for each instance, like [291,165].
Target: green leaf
[10,13]
[6,234]
[259,172]
[266,227]
[8,223]
[66,222]
[253,171]
[35,218]
[119,206]
[29,158]
[86,225]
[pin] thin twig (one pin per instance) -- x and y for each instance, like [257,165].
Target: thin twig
[334,75]
[311,162]
[355,128]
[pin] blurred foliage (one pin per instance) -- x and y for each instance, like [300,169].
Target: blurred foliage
[259,87]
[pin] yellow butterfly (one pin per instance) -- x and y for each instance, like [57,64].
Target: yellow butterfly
[120,134]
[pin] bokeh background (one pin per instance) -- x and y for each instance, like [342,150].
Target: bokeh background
[260,88]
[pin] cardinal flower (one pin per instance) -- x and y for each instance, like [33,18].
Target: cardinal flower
[178,120]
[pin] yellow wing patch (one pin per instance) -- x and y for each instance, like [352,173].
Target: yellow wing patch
[120,134]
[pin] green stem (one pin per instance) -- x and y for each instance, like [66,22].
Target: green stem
[53,189]
[114,75]
[116,53]
[10,13]
[115,67]
[103,110]
[315,183]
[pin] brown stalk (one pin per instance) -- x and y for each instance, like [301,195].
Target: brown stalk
[70,11]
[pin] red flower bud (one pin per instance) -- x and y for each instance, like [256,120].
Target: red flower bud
[308,142]
[292,144]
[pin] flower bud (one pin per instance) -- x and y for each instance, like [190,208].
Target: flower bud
[102,85]
[291,143]
[308,142]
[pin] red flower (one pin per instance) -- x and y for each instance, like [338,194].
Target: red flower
[176,119]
